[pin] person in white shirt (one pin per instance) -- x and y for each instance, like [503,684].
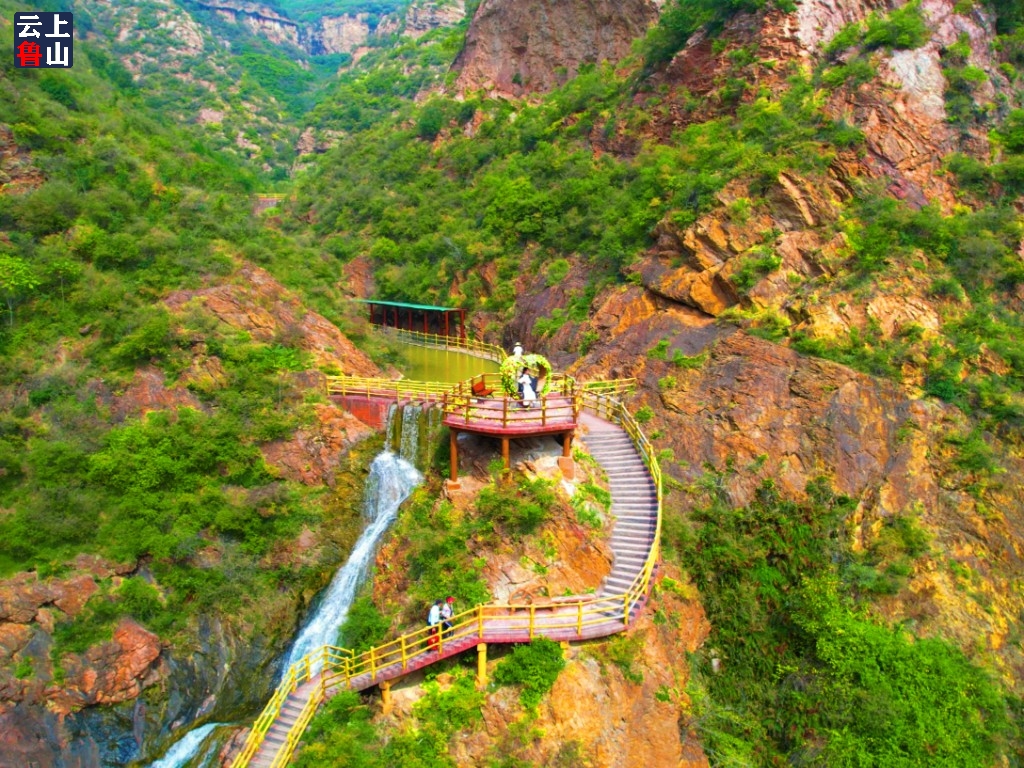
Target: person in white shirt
[529,393]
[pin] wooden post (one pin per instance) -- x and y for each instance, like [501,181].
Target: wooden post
[504,453]
[462,323]
[481,666]
[385,697]
[453,443]
[424,322]
[565,462]
[446,333]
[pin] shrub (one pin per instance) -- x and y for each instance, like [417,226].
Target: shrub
[903,28]
[364,627]
[522,508]
[556,272]
[644,414]
[533,667]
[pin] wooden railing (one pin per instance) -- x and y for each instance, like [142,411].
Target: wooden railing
[615,387]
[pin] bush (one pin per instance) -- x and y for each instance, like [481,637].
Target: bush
[521,508]
[904,28]
[364,627]
[533,667]
[806,673]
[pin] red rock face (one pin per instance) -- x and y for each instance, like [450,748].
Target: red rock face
[312,456]
[516,47]
[261,306]
[147,392]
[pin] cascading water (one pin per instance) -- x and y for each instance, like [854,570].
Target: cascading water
[186,747]
[409,444]
[391,480]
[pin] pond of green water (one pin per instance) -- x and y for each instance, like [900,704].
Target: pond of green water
[427,364]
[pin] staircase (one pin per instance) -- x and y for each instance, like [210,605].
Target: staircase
[634,501]
[283,724]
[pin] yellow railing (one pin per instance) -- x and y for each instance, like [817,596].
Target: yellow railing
[296,674]
[614,387]
[481,401]
[469,346]
[560,618]
[400,389]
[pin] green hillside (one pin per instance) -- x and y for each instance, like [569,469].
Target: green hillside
[115,196]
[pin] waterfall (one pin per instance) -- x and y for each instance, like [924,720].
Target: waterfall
[394,415]
[391,480]
[185,748]
[412,431]
[409,444]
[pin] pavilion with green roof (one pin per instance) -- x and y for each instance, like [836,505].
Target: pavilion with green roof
[422,318]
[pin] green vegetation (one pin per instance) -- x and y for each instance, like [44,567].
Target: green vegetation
[681,18]
[141,189]
[127,207]
[516,509]
[806,674]
[341,733]
[533,667]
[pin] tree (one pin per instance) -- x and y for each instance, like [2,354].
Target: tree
[17,279]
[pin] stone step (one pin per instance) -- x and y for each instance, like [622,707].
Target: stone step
[633,520]
[633,490]
[619,584]
[611,454]
[631,549]
[638,496]
[626,538]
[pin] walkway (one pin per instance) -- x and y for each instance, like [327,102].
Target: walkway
[620,597]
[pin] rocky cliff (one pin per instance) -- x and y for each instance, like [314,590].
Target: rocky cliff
[337,34]
[517,47]
[723,385]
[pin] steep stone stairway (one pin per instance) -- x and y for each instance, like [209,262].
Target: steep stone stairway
[634,501]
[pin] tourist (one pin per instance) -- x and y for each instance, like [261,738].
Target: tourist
[433,619]
[447,611]
[517,353]
[526,385]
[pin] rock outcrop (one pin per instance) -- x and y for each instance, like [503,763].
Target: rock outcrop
[261,306]
[517,47]
[422,16]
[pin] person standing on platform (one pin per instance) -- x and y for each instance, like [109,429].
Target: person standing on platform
[433,620]
[447,611]
[529,394]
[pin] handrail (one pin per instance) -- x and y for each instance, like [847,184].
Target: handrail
[340,666]
[392,388]
[469,346]
[609,387]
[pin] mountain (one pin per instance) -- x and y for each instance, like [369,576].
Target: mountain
[797,225]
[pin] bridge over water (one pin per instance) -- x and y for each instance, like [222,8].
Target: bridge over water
[590,410]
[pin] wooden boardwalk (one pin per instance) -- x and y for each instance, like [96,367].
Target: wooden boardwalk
[617,602]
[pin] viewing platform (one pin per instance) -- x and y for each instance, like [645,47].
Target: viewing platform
[480,405]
